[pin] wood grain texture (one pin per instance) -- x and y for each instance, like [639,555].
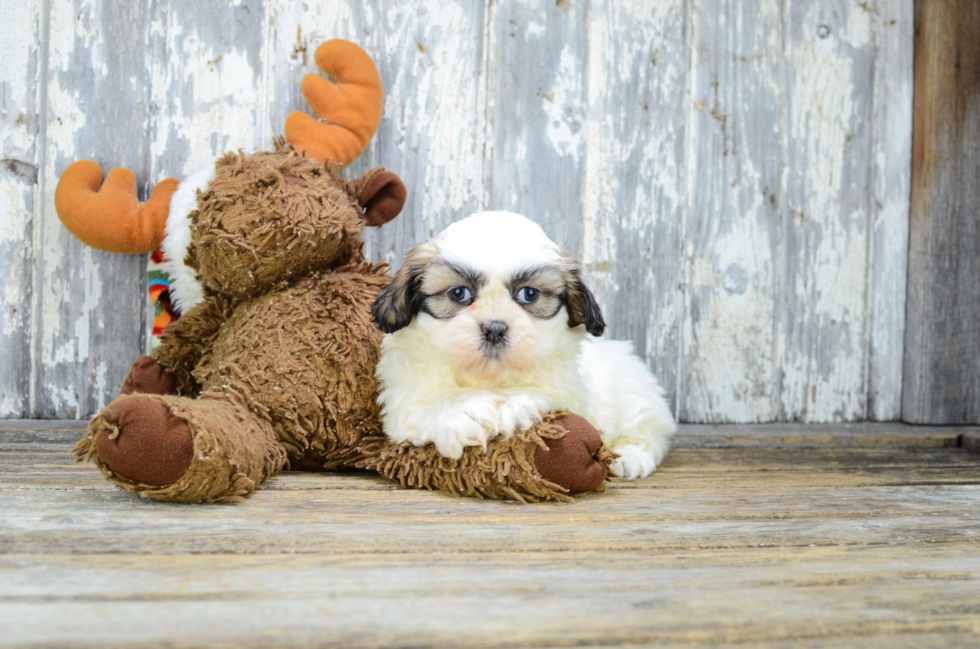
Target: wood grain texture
[892,177]
[672,144]
[826,219]
[20,51]
[789,316]
[942,366]
[89,306]
[207,82]
[536,101]
[732,232]
[635,174]
[871,545]
[504,599]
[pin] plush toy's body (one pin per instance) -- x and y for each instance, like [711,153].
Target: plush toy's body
[272,362]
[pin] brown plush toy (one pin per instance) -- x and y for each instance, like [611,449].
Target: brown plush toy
[272,364]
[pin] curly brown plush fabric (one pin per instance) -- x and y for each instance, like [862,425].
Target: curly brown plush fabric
[508,470]
[303,359]
[275,367]
[185,341]
[255,228]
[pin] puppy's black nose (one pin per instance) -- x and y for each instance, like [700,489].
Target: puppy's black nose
[494,331]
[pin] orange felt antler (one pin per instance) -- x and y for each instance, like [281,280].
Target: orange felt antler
[348,108]
[111,218]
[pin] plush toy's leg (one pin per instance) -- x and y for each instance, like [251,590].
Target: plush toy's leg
[146,376]
[182,450]
[561,456]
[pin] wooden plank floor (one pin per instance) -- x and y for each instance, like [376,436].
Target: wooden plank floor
[762,536]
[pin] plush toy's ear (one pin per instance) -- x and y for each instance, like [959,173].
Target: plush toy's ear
[400,301]
[382,194]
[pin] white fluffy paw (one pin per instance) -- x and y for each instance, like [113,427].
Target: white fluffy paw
[520,412]
[469,422]
[472,420]
[634,462]
[479,418]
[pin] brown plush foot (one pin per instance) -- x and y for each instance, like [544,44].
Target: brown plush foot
[146,376]
[143,441]
[571,461]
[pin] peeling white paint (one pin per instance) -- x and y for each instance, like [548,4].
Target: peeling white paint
[563,116]
[728,364]
[444,115]
[13,225]
[681,195]
[824,365]
[892,141]
[633,182]
[18,122]
[17,48]
[211,94]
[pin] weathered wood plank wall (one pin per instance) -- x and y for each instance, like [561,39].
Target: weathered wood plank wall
[942,361]
[734,174]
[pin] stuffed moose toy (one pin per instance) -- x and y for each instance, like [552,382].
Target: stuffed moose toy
[271,365]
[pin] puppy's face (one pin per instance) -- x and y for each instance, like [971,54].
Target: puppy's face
[491,294]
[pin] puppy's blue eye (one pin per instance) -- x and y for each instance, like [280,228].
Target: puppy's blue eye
[527,295]
[460,294]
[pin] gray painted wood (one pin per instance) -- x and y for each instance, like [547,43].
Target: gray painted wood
[823,332]
[20,51]
[942,358]
[892,145]
[671,144]
[636,131]
[89,306]
[207,78]
[536,104]
[785,304]
[732,230]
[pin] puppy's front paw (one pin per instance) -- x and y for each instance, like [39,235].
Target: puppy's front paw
[634,462]
[469,422]
[521,412]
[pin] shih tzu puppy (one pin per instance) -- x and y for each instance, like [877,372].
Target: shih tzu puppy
[489,327]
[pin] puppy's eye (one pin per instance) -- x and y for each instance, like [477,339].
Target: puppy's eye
[460,294]
[527,295]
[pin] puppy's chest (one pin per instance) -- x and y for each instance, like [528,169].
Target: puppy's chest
[555,392]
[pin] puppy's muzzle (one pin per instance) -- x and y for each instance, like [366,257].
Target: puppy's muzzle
[494,332]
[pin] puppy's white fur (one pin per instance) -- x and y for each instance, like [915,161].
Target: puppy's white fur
[439,384]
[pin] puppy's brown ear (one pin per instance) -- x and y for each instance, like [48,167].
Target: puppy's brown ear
[399,302]
[582,306]
[381,193]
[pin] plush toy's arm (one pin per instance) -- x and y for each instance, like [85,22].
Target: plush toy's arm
[185,341]
[559,456]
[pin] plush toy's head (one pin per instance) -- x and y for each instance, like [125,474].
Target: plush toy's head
[272,216]
[253,220]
